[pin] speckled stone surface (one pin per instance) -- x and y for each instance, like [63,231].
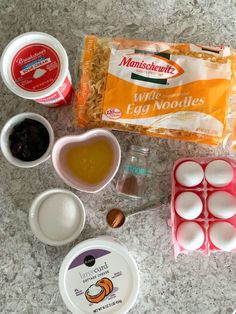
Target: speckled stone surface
[29,269]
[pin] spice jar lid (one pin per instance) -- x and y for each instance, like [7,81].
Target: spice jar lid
[139,149]
[99,276]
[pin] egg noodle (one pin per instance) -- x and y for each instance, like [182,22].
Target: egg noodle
[180,91]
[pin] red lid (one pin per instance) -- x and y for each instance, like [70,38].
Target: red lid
[35,67]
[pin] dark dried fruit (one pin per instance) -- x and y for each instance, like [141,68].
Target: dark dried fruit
[29,140]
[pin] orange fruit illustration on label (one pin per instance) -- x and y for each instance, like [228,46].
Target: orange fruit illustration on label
[106,284]
[97,292]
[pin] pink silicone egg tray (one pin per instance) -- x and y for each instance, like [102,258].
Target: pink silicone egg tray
[205,218]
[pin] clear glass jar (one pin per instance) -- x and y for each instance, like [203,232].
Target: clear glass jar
[131,180]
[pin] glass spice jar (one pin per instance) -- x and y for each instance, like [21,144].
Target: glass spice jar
[131,180]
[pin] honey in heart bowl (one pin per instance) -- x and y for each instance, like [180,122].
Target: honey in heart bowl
[87,162]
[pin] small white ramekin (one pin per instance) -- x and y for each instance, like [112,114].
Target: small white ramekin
[34,217]
[6,131]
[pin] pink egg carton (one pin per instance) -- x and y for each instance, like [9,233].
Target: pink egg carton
[205,219]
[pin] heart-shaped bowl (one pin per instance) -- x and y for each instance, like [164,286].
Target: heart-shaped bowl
[59,163]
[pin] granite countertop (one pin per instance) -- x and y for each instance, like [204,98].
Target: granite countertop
[29,269]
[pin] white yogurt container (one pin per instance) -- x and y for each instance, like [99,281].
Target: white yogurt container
[34,66]
[99,276]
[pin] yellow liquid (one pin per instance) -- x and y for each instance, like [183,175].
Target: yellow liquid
[91,161]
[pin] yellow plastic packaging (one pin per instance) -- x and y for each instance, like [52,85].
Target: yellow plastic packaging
[181,91]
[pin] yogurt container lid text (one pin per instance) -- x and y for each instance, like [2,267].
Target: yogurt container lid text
[34,66]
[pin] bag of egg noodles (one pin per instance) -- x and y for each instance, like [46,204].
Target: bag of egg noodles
[180,91]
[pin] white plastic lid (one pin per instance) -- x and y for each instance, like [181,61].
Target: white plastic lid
[34,65]
[99,276]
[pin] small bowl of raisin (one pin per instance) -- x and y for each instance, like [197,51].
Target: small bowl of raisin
[27,140]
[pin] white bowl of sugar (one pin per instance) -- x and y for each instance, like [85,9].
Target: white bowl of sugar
[57,217]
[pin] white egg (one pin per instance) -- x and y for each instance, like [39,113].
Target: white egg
[189,173]
[190,235]
[222,204]
[219,173]
[188,205]
[223,235]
